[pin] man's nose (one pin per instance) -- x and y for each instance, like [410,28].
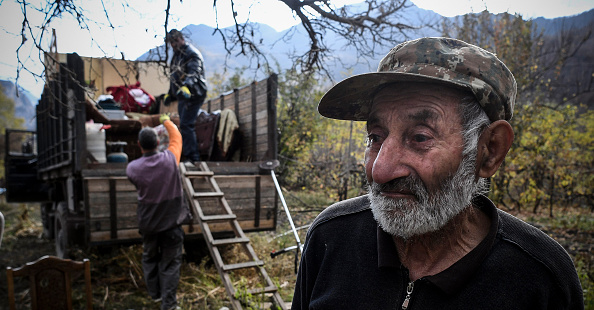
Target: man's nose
[390,163]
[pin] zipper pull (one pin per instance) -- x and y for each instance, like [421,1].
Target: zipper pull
[409,290]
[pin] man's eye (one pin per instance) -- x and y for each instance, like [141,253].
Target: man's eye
[371,138]
[420,138]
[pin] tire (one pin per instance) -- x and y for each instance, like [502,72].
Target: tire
[47,219]
[61,233]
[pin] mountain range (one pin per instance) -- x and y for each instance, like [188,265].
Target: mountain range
[24,103]
[278,46]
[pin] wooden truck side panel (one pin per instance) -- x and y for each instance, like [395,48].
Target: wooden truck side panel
[112,201]
[101,202]
[255,108]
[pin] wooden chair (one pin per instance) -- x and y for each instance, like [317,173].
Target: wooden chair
[50,282]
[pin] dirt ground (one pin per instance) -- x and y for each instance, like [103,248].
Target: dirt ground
[116,271]
[24,242]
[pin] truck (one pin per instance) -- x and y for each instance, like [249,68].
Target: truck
[88,201]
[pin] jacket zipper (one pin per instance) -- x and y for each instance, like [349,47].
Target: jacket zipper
[409,290]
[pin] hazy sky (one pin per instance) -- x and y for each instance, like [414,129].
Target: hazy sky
[528,8]
[137,29]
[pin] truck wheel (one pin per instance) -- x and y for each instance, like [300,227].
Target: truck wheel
[61,230]
[47,218]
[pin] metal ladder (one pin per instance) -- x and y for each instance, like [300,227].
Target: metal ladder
[226,215]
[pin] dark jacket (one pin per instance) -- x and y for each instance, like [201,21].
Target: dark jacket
[187,69]
[350,263]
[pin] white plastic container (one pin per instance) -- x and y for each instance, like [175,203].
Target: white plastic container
[96,141]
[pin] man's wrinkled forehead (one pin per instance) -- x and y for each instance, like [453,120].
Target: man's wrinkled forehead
[431,102]
[420,116]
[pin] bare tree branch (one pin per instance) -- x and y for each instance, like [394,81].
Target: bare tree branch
[379,23]
[376,23]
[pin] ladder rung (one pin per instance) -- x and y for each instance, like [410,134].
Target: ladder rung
[231,218]
[242,265]
[208,194]
[218,218]
[230,241]
[199,173]
[268,289]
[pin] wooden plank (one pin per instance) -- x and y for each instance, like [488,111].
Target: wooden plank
[234,168]
[242,199]
[261,117]
[230,267]
[258,201]
[103,170]
[260,290]
[127,234]
[208,194]
[102,184]
[272,93]
[99,198]
[104,224]
[219,168]
[199,173]
[235,192]
[98,185]
[266,213]
[218,242]
[235,102]
[113,209]
[219,217]
[241,183]
[103,210]
[253,152]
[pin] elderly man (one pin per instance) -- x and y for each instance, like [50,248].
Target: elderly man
[425,237]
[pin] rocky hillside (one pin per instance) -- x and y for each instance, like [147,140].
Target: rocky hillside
[24,103]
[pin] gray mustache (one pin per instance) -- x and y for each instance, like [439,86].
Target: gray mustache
[411,184]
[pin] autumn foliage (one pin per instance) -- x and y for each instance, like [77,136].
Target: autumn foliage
[549,165]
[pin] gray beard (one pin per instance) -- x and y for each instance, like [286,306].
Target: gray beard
[429,212]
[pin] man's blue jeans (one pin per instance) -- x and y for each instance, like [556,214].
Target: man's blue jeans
[188,111]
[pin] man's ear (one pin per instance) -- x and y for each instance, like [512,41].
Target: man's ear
[493,146]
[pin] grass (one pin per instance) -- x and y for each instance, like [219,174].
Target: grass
[116,272]
[118,282]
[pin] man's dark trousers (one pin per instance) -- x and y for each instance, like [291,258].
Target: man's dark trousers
[188,111]
[161,262]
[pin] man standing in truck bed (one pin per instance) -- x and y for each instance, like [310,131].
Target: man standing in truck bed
[188,85]
[161,210]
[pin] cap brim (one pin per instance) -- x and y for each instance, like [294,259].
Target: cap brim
[351,98]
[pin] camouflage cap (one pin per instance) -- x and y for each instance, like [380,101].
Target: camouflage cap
[429,60]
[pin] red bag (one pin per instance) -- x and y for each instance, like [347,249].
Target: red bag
[132,98]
